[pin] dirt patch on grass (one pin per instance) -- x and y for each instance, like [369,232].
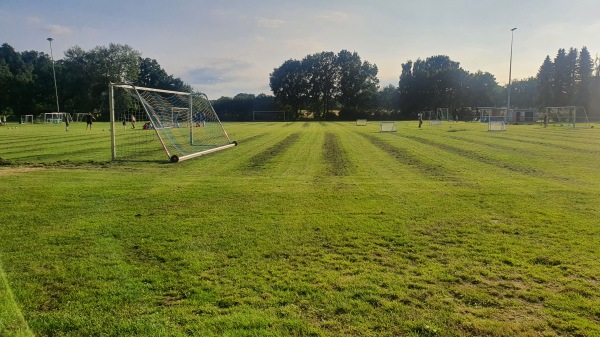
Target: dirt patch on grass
[13,170]
[476,156]
[406,157]
[335,156]
[261,159]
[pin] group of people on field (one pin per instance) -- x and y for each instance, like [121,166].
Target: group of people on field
[89,120]
[132,122]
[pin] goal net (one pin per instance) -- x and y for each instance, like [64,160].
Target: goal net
[361,122]
[496,125]
[80,116]
[54,117]
[573,116]
[443,114]
[147,124]
[387,127]
[268,116]
[27,119]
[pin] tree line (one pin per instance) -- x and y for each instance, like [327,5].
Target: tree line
[27,83]
[323,85]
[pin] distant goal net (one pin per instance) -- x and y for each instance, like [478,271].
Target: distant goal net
[268,116]
[387,127]
[27,119]
[496,126]
[361,122]
[55,117]
[571,116]
[149,124]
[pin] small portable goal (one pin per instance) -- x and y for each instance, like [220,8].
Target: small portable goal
[387,127]
[496,126]
[361,122]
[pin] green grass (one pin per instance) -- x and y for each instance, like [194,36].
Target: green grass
[304,229]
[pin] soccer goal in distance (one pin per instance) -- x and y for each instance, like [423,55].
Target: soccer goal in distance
[387,127]
[268,116]
[573,116]
[147,124]
[361,122]
[27,119]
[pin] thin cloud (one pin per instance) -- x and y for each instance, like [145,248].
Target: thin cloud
[222,71]
[53,29]
[335,16]
[58,30]
[269,23]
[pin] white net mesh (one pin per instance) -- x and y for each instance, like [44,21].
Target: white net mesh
[147,123]
[387,127]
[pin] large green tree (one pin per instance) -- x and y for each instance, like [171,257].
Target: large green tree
[90,73]
[323,81]
[358,84]
[545,83]
[289,84]
[584,77]
[16,77]
[439,82]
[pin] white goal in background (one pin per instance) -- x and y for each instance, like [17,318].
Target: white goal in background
[80,117]
[182,125]
[54,117]
[496,126]
[268,116]
[387,127]
[27,119]
[361,122]
[573,116]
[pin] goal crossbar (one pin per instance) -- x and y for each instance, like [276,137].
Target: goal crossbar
[183,123]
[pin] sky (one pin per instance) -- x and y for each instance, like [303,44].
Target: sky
[227,47]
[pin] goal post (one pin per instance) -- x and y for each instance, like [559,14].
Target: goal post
[443,114]
[361,122]
[54,117]
[268,116]
[573,116]
[182,125]
[27,119]
[387,127]
[496,125]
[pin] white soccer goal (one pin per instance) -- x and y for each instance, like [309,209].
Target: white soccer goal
[387,127]
[181,124]
[573,116]
[80,116]
[496,125]
[27,119]
[443,114]
[361,122]
[54,117]
[268,116]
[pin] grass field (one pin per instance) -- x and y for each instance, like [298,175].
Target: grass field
[303,229]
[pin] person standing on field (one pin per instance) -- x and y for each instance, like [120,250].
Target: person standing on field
[67,121]
[545,120]
[132,121]
[89,119]
[420,116]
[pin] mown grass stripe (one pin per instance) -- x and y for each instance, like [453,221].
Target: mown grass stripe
[405,157]
[335,156]
[12,321]
[261,159]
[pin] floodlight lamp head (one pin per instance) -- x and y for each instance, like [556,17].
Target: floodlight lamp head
[50,39]
[512,30]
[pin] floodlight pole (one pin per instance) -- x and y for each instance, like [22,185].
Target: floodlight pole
[54,74]
[509,72]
